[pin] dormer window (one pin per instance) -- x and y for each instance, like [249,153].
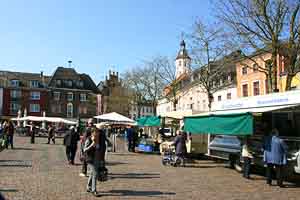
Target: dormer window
[58,82]
[15,83]
[34,84]
[70,83]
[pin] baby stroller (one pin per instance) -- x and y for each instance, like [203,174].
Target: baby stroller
[169,157]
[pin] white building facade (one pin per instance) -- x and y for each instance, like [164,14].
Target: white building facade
[192,96]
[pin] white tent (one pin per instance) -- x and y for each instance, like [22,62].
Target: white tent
[47,119]
[114,117]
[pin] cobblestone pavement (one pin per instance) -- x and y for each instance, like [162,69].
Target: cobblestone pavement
[40,172]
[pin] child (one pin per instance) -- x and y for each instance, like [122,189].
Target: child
[247,157]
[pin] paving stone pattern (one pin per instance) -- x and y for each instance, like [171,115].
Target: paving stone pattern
[40,172]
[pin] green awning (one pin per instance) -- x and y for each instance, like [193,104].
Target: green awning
[148,121]
[229,124]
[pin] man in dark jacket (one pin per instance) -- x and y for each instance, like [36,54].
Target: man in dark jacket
[10,134]
[51,135]
[70,141]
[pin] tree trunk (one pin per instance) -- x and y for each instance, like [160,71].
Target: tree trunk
[274,71]
[288,83]
[174,104]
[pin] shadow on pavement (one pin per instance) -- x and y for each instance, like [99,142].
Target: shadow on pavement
[111,163]
[136,193]
[15,163]
[25,149]
[8,190]
[135,176]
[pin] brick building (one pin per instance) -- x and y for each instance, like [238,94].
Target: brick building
[71,95]
[23,91]
[114,97]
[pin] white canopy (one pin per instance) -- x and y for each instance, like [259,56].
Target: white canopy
[114,117]
[180,114]
[47,119]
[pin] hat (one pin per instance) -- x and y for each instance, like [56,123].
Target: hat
[72,127]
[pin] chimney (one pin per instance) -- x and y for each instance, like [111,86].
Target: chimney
[113,73]
[70,63]
[117,74]
[43,79]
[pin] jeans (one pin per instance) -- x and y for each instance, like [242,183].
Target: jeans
[84,167]
[53,140]
[247,166]
[71,152]
[92,181]
[279,173]
[10,140]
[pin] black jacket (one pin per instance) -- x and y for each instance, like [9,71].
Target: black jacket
[71,138]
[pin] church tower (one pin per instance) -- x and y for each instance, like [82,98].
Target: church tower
[183,61]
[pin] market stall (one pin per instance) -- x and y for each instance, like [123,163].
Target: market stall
[150,140]
[231,120]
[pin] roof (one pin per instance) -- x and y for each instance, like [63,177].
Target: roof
[23,77]
[63,73]
[183,54]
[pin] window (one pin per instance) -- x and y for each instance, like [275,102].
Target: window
[34,84]
[82,110]
[82,97]
[244,70]
[256,88]
[228,95]
[58,82]
[56,96]
[229,78]
[69,110]
[56,108]
[219,98]
[34,108]
[266,86]
[221,81]
[179,63]
[245,90]
[15,93]
[70,96]
[69,83]
[35,95]
[15,83]
[14,107]
[255,68]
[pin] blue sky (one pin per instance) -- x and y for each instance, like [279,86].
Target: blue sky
[96,35]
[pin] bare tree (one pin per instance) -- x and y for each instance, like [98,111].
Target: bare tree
[211,57]
[259,25]
[167,74]
[292,56]
[152,81]
[133,81]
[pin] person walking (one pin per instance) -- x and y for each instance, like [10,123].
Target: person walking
[275,156]
[86,135]
[101,144]
[129,132]
[90,151]
[247,158]
[180,146]
[51,135]
[10,134]
[5,134]
[70,141]
[32,132]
